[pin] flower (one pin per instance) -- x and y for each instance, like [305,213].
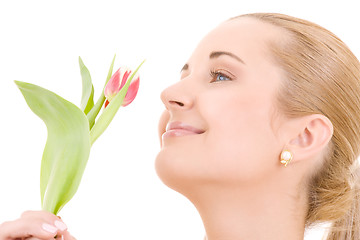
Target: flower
[117,81]
[74,129]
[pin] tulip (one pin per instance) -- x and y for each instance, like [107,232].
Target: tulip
[73,130]
[117,81]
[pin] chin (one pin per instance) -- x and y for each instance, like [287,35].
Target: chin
[176,173]
[166,170]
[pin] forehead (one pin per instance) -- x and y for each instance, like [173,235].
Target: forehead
[244,36]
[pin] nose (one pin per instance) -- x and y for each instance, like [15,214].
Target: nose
[177,97]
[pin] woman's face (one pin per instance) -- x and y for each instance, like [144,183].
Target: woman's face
[219,126]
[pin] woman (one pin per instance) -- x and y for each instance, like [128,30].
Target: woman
[260,134]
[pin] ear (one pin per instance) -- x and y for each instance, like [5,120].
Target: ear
[313,134]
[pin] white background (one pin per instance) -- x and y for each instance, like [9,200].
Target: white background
[120,196]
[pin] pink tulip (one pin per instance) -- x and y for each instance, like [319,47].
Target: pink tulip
[117,81]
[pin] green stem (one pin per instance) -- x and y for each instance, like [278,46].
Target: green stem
[100,102]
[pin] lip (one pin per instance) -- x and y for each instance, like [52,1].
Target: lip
[178,129]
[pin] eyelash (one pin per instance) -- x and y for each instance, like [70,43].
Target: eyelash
[216,73]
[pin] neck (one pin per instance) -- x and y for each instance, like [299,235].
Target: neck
[257,213]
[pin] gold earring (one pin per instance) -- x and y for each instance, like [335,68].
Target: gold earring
[286,157]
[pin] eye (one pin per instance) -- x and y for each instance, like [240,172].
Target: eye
[219,76]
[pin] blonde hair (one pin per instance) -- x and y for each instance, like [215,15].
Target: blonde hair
[322,76]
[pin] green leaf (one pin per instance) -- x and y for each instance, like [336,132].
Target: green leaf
[108,114]
[87,98]
[67,147]
[100,102]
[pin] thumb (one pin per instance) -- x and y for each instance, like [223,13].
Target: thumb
[66,236]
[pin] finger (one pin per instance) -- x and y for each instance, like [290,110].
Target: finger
[33,238]
[22,228]
[48,218]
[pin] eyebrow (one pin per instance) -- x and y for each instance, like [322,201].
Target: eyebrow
[216,54]
[220,53]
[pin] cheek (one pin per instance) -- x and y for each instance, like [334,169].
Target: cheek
[240,141]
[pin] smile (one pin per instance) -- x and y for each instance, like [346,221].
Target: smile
[178,129]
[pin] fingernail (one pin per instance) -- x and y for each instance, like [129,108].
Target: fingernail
[60,225]
[49,228]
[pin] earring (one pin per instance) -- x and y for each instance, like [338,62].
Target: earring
[286,157]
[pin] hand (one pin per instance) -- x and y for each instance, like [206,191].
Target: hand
[35,225]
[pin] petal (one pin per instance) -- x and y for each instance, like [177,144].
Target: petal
[113,85]
[124,77]
[106,103]
[132,91]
